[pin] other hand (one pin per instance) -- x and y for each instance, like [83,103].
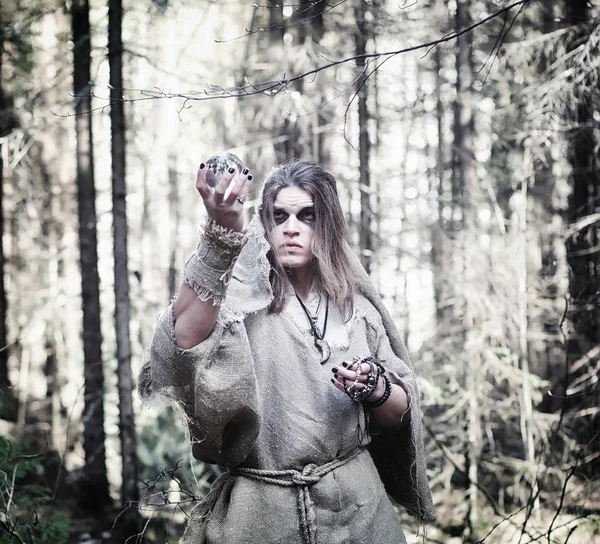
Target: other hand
[345,376]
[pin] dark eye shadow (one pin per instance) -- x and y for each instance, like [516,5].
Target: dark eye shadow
[279,216]
[307,214]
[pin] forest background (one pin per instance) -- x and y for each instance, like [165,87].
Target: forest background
[464,136]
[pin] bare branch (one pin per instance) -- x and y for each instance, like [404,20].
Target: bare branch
[271,88]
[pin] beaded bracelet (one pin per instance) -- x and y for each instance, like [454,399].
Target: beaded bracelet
[386,394]
[377,370]
[372,379]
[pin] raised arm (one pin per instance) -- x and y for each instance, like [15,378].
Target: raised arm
[186,364]
[206,274]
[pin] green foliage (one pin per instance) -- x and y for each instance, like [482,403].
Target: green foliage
[19,29]
[155,451]
[26,514]
[593,524]
[8,405]
[55,528]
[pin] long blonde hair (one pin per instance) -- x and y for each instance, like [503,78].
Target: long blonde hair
[333,273]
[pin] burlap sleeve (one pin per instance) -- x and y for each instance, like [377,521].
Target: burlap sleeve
[398,453]
[213,384]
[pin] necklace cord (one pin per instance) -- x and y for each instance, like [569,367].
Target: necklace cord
[312,320]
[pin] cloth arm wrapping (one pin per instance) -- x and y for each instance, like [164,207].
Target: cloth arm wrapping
[398,453]
[209,269]
[213,384]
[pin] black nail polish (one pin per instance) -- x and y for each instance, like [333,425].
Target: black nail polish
[231,170]
[332,380]
[335,375]
[250,177]
[245,171]
[202,165]
[334,369]
[345,365]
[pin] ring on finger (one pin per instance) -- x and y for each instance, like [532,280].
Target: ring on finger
[241,199]
[368,386]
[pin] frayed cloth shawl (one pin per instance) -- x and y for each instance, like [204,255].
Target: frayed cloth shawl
[256,399]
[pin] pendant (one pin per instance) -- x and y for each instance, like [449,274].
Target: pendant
[324,348]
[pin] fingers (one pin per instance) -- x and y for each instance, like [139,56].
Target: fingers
[226,193]
[344,377]
[348,371]
[201,184]
[338,385]
[247,186]
[359,378]
[351,375]
[343,384]
[239,187]
[223,185]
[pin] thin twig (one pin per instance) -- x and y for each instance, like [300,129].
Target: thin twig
[271,88]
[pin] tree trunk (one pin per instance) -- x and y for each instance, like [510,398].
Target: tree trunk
[22,348]
[4,379]
[441,250]
[96,484]
[466,196]
[312,19]
[175,219]
[547,354]
[276,35]
[276,25]
[525,399]
[361,37]
[437,231]
[293,140]
[462,119]
[146,307]
[129,488]
[583,256]
[49,227]
[290,142]
[24,370]
[313,14]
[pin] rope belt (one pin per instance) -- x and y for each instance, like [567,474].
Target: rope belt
[310,475]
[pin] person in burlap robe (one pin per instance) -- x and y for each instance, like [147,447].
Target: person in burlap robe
[270,347]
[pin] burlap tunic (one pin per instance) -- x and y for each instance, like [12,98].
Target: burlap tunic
[256,397]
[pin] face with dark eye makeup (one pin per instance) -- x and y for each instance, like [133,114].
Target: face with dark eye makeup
[294,221]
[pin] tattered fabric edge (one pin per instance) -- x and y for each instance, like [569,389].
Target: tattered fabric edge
[202,292]
[222,237]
